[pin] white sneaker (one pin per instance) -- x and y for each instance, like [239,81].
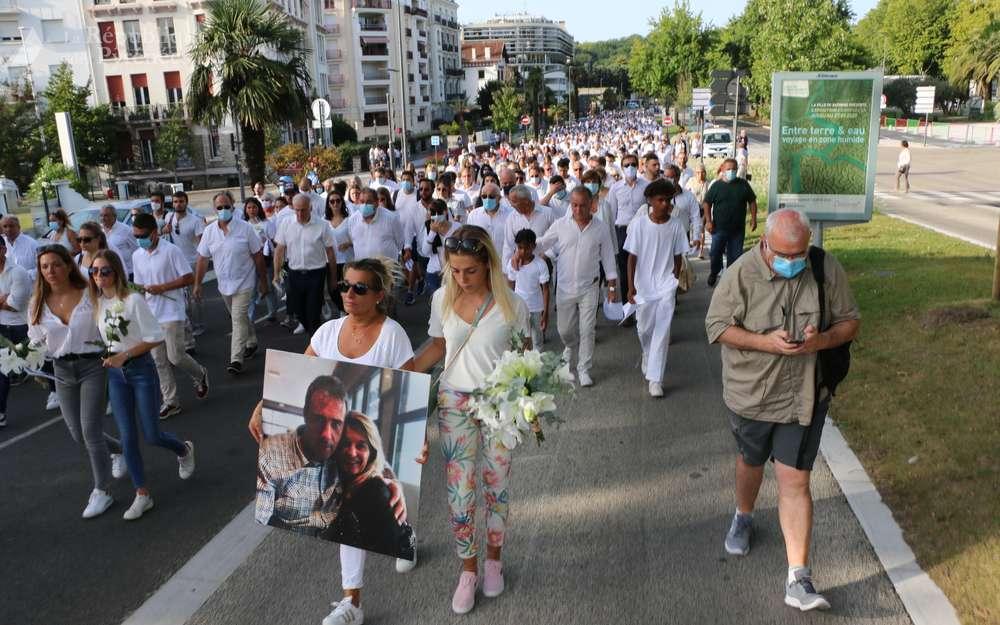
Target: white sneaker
[98,504]
[118,466]
[52,403]
[345,613]
[141,505]
[405,566]
[644,363]
[185,465]
[585,379]
[655,389]
[299,329]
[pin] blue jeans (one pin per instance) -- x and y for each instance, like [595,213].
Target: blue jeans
[729,242]
[271,298]
[432,282]
[135,393]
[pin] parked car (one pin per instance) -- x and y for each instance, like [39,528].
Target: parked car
[718,142]
[123,212]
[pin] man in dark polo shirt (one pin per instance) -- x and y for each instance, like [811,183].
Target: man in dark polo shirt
[725,207]
[766,315]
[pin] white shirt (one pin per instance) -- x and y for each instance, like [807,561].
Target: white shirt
[165,263]
[435,261]
[266,230]
[15,283]
[340,237]
[191,226]
[391,349]
[383,236]
[143,327]
[686,174]
[411,213]
[62,339]
[625,200]
[539,222]
[494,222]
[317,203]
[385,182]
[232,255]
[121,237]
[306,244]
[686,211]
[472,191]
[580,253]
[53,236]
[486,344]
[23,252]
[459,205]
[654,246]
[283,215]
[904,158]
[528,281]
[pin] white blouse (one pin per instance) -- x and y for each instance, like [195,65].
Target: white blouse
[76,337]
[142,328]
[391,349]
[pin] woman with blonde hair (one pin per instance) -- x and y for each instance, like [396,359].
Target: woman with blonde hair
[472,322]
[61,315]
[133,384]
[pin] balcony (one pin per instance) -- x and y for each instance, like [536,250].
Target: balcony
[163,6]
[333,54]
[378,26]
[374,75]
[375,50]
[336,79]
[454,72]
[454,96]
[385,5]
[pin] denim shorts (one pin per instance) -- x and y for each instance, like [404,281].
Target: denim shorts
[791,444]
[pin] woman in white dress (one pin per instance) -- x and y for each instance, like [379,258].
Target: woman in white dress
[60,231]
[336,215]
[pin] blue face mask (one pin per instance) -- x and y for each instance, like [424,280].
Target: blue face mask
[407,186]
[226,214]
[561,194]
[788,268]
[631,171]
[490,203]
[439,218]
[368,210]
[729,175]
[145,243]
[593,187]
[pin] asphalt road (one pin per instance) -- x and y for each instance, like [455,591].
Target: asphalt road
[617,518]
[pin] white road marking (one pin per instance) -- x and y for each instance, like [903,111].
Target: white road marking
[23,435]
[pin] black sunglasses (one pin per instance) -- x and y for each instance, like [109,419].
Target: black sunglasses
[104,272]
[360,288]
[223,207]
[470,246]
[84,239]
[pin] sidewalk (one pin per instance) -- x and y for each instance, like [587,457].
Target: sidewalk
[618,518]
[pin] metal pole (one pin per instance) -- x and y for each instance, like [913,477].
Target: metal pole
[388,103]
[996,266]
[403,66]
[736,113]
[817,233]
[927,126]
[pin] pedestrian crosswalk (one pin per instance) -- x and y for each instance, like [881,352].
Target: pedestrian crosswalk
[984,199]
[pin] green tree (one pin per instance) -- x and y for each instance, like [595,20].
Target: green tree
[672,55]
[254,60]
[341,131]
[50,171]
[506,109]
[537,96]
[610,100]
[173,142]
[20,145]
[484,98]
[94,127]
[603,63]
[973,19]
[908,36]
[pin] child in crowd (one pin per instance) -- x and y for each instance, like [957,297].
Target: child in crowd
[531,283]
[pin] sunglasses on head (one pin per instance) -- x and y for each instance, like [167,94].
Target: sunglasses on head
[470,246]
[104,272]
[360,288]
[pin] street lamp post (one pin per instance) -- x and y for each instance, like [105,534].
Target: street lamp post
[34,100]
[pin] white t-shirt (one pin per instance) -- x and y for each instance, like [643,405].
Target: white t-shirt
[655,246]
[528,281]
[485,346]
[391,349]
[232,255]
[186,232]
[142,328]
[164,264]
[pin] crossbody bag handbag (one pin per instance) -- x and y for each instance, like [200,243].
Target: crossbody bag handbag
[432,401]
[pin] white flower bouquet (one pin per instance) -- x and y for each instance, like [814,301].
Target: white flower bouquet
[520,392]
[24,357]
[115,327]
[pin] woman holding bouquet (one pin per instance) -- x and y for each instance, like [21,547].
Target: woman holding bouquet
[130,331]
[61,315]
[473,319]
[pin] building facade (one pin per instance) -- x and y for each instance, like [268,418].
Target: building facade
[532,41]
[482,62]
[447,76]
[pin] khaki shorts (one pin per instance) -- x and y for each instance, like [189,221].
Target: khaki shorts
[790,444]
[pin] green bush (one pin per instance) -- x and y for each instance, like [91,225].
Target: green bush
[341,131]
[351,149]
[48,172]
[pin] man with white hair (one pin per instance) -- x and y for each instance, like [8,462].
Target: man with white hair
[784,314]
[119,236]
[492,215]
[526,214]
[375,231]
[307,243]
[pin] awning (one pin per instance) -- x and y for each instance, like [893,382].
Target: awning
[371,41]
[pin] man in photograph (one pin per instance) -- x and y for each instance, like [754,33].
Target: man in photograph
[298,487]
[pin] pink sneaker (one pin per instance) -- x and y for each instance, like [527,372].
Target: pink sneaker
[493,578]
[465,595]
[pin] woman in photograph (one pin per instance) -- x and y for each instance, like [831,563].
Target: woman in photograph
[472,322]
[256,216]
[61,315]
[365,336]
[60,231]
[336,215]
[133,385]
[366,519]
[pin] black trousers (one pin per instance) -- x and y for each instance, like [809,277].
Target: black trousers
[622,232]
[305,296]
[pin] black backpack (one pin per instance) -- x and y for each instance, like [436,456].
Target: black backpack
[835,362]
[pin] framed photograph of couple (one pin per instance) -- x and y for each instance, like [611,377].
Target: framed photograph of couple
[340,449]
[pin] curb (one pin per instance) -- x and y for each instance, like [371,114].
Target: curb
[924,601]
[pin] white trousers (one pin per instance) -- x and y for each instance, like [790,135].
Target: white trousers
[653,321]
[575,320]
[352,567]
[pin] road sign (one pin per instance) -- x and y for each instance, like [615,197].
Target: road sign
[320,109]
[925,100]
[701,98]
[526,120]
[435,140]
[668,120]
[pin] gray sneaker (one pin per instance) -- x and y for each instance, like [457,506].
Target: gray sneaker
[802,595]
[738,538]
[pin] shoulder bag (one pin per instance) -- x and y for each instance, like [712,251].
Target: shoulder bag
[432,401]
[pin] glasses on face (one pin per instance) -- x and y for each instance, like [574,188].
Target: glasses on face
[223,207]
[470,246]
[84,240]
[104,272]
[360,288]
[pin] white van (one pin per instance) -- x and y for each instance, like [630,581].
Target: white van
[718,142]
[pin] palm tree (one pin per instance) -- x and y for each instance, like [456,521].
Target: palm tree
[255,62]
[979,60]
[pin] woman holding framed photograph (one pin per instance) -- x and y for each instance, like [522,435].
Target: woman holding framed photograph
[473,319]
[366,336]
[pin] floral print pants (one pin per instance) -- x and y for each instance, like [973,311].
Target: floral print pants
[462,441]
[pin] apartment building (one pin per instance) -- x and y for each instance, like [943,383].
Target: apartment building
[447,76]
[482,62]
[532,41]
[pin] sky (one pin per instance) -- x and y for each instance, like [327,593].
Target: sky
[590,20]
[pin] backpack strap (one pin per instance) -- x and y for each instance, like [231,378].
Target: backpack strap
[816,261]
